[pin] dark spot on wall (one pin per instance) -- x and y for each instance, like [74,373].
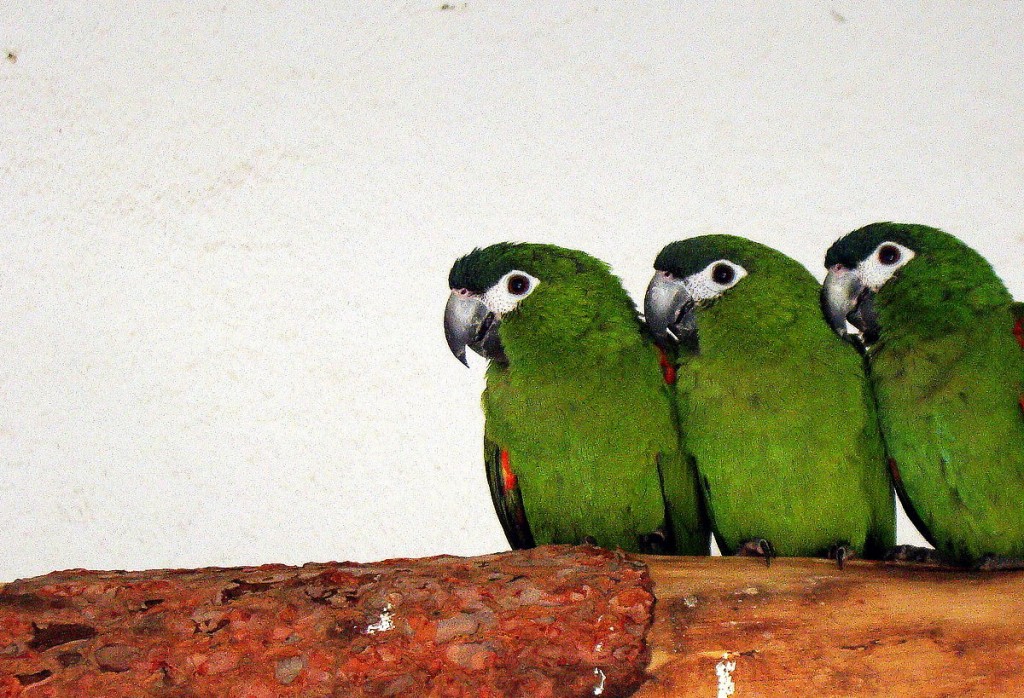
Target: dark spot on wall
[12,57]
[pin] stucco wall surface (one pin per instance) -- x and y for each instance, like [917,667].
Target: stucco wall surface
[225,230]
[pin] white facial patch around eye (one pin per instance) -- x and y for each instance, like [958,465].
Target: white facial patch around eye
[505,295]
[715,279]
[880,265]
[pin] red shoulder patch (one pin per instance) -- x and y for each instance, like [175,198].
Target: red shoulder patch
[668,371]
[1018,331]
[509,481]
[1021,400]
[894,469]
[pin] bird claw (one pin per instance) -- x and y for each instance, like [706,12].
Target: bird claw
[656,542]
[841,552]
[913,553]
[992,563]
[758,547]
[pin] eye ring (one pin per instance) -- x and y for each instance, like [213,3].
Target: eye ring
[518,284]
[723,274]
[889,254]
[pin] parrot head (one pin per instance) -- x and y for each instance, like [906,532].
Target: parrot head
[512,300]
[721,275]
[914,276]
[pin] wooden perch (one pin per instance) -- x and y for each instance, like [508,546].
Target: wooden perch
[805,628]
[555,621]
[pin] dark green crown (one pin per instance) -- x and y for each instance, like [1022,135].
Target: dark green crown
[851,249]
[481,268]
[686,257]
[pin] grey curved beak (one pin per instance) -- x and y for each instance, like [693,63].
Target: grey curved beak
[463,316]
[468,322]
[844,297]
[839,296]
[668,310]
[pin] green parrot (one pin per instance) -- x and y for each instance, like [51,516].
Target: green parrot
[580,438]
[774,408]
[944,342]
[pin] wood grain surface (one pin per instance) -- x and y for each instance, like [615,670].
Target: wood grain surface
[805,628]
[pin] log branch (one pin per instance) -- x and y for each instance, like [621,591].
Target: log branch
[804,627]
[555,621]
[550,621]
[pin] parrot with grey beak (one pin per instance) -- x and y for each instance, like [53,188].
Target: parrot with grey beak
[580,436]
[773,407]
[944,342]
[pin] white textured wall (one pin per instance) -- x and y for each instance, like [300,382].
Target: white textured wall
[225,230]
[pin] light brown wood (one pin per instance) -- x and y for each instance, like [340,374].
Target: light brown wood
[805,628]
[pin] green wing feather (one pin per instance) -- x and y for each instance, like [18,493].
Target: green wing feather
[879,482]
[508,501]
[586,446]
[951,411]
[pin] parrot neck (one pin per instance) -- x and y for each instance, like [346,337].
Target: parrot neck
[946,296]
[905,323]
[590,332]
[988,339]
[579,352]
[762,328]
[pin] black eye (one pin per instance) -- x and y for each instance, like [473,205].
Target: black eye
[723,274]
[518,284]
[889,254]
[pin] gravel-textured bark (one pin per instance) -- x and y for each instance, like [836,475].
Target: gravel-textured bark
[553,621]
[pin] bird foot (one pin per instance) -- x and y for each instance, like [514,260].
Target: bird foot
[992,563]
[757,547]
[915,554]
[656,542]
[841,552]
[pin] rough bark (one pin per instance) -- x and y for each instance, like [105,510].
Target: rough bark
[554,621]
